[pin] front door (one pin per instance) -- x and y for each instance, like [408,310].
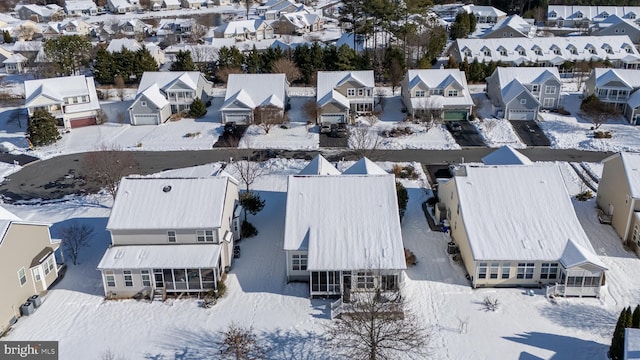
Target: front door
[159,279]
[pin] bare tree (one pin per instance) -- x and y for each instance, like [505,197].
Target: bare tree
[146,5]
[224,72]
[430,115]
[268,117]
[597,111]
[379,326]
[75,237]
[311,110]
[248,171]
[240,343]
[247,5]
[118,82]
[395,73]
[107,166]
[198,33]
[362,141]
[288,68]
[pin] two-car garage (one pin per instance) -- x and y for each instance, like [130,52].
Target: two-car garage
[521,114]
[145,119]
[332,118]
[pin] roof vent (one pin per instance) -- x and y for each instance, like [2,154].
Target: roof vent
[166,188]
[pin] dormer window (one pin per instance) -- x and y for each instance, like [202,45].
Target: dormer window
[579,15]
[608,50]
[421,93]
[627,48]
[552,15]
[572,49]
[521,51]
[556,50]
[486,52]
[537,50]
[467,53]
[604,15]
[591,49]
[452,92]
[631,16]
[503,51]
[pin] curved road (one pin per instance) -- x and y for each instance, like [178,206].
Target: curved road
[59,176]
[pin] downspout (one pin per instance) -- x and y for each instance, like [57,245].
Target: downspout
[631,211]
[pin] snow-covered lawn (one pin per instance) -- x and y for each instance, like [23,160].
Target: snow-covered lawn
[524,327]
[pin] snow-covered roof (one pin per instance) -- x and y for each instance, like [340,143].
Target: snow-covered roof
[164,79]
[57,89]
[15,59]
[42,10]
[515,22]
[631,344]
[512,79]
[439,79]
[577,255]
[328,80]
[7,218]
[252,90]
[240,26]
[169,203]
[620,47]
[594,13]
[79,5]
[153,94]
[301,19]
[364,166]
[116,45]
[612,21]
[518,213]
[506,155]
[319,166]
[624,77]
[171,3]
[174,256]
[478,10]
[356,225]
[631,167]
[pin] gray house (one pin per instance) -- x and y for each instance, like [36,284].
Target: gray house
[170,236]
[518,93]
[343,94]
[618,87]
[248,92]
[178,89]
[615,25]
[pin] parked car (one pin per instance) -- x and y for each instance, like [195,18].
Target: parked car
[325,128]
[229,128]
[454,127]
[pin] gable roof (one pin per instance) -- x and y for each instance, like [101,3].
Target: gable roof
[239,27]
[255,90]
[7,218]
[506,155]
[116,45]
[440,79]
[526,75]
[364,166]
[58,88]
[631,167]
[576,255]
[594,13]
[328,80]
[153,94]
[624,76]
[169,203]
[319,166]
[357,229]
[515,22]
[507,215]
[164,79]
[478,10]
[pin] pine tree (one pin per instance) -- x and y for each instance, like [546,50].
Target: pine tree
[6,36]
[252,61]
[472,23]
[183,62]
[42,129]
[628,317]
[616,351]
[197,109]
[69,53]
[635,321]
[451,63]
[103,67]
[144,61]
[345,58]
[476,71]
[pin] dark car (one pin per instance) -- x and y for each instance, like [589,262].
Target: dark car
[454,127]
[325,128]
[229,128]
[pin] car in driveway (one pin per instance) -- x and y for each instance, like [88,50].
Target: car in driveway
[339,130]
[325,128]
[229,128]
[454,127]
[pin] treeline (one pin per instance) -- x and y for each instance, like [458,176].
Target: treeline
[126,65]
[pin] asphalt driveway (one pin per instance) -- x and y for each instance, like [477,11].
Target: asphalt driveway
[468,135]
[530,133]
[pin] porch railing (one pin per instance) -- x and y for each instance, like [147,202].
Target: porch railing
[336,308]
[555,290]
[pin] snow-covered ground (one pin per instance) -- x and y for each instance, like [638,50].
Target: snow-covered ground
[524,327]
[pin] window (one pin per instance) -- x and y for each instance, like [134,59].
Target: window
[556,50]
[204,235]
[535,88]
[146,277]
[452,93]
[506,269]
[351,92]
[171,236]
[608,50]
[574,281]
[467,53]
[128,279]
[522,52]
[110,278]
[36,274]
[487,52]
[143,103]
[537,51]
[85,98]
[573,51]
[22,276]
[421,93]
[602,92]
[523,101]
[613,93]
[579,15]
[549,89]
[299,262]
[549,102]
[365,280]
[628,49]
[389,282]
[552,15]
[75,100]
[525,270]
[549,271]
[482,271]
[503,52]
[591,281]
[592,50]
[437,92]
[67,101]
[48,266]
[494,270]
[361,92]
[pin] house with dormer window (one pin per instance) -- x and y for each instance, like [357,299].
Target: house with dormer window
[511,26]
[442,90]
[72,100]
[619,87]
[341,95]
[170,236]
[519,93]
[177,88]
[615,25]
[243,97]
[586,16]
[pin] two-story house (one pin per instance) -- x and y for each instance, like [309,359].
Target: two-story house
[511,26]
[134,28]
[298,23]
[28,264]
[241,30]
[243,96]
[615,25]
[72,100]
[518,93]
[484,14]
[176,29]
[15,64]
[582,16]
[68,27]
[170,235]
[273,9]
[80,8]
[618,87]
[178,89]
[40,13]
[354,244]
[444,90]
[341,94]
[508,235]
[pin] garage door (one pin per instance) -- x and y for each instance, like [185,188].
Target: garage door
[76,123]
[238,118]
[332,118]
[455,115]
[521,115]
[145,119]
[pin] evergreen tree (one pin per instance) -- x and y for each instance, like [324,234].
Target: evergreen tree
[230,57]
[6,36]
[69,53]
[451,63]
[144,62]
[42,129]
[345,58]
[251,203]
[104,67]
[302,58]
[197,109]
[476,71]
[183,62]
[460,27]
[268,57]
[464,66]
[436,45]
[403,198]
[252,61]
[635,320]
[124,64]
[473,21]
[352,13]
[616,351]
[628,317]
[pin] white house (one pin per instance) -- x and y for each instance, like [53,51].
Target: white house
[511,26]
[80,7]
[247,92]
[582,16]
[618,87]
[354,244]
[518,93]
[445,90]
[241,30]
[72,100]
[15,64]
[343,93]
[515,225]
[485,14]
[170,235]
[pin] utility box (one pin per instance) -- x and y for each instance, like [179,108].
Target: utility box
[36,300]
[27,308]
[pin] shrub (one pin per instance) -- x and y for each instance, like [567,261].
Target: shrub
[410,257]
[490,303]
[585,195]
[192,135]
[42,128]
[222,289]
[403,199]
[197,109]
[248,230]
[405,172]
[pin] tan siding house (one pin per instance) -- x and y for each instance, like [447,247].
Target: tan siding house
[619,196]
[343,94]
[27,262]
[170,235]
